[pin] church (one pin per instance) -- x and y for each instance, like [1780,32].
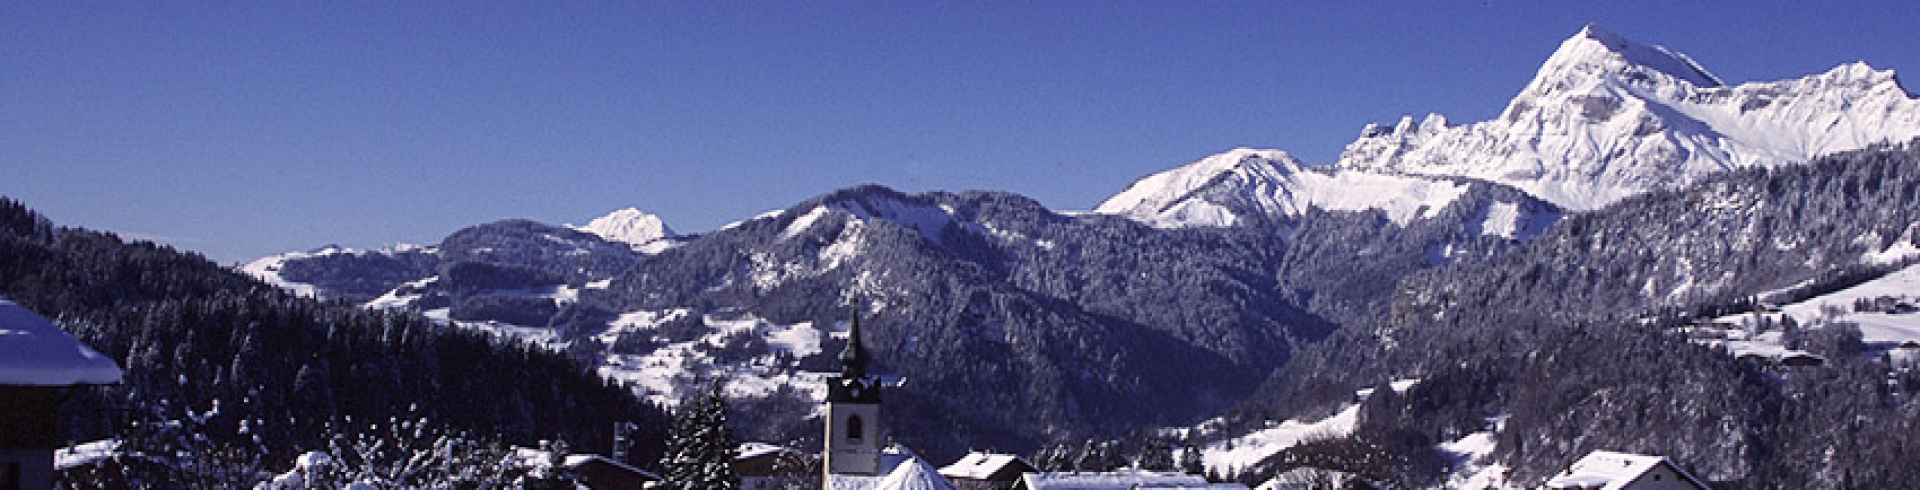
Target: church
[856,455]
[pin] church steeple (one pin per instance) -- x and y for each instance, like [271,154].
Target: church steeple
[853,413]
[853,384]
[853,359]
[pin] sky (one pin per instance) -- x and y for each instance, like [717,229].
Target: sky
[242,129]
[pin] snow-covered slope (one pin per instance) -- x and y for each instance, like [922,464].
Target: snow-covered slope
[1606,118]
[644,232]
[1884,326]
[1247,186]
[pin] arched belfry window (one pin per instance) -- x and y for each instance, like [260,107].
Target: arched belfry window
[855,427]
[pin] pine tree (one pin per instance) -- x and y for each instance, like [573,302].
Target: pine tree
[700,448]
[1156,456]
[1190,461]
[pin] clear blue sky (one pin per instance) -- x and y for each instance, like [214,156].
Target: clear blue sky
[247,128]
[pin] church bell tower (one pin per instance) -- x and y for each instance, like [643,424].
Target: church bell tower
[853,412]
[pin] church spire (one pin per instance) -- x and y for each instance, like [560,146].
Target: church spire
[853,359]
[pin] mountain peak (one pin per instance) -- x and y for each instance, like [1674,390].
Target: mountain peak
[1596,50]
[630,226]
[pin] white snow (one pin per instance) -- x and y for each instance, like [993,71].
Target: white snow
[662,375]
[979,465]
[1606,470]
[804,222]
[34,352]
[1606,118]
[1876,327]
[1245,451]
[1893,254]
[267,269]
[1471,468]
[84,454]
[1129,479]
[394,299]
[915,474]
[766,215]
[1273,184]
[630,226]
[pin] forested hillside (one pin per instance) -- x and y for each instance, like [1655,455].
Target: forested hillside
[227,378]
[1572,338]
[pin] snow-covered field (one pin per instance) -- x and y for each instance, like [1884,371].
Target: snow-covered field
[1244,451]
[665,374]
[1878,329]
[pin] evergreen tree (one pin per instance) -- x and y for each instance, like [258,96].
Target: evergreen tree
[700,448]
[1190,461]
[1156,456]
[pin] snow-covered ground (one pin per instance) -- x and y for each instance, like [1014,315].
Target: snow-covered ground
[1244,451]
[1877,328]
[84,453]
[663,374]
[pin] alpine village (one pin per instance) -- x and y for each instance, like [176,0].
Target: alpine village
[1637,276]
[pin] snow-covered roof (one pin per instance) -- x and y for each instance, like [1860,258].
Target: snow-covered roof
[33,352]
[575,460]
[1110,480]
[1608,470]
[915,474]
[979,465]
[750,450]
[891,459]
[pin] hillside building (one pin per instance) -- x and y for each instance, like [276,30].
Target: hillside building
[1608,470]
[987,471]
[1119,480]
[40,366]
[764,466]
[855,457]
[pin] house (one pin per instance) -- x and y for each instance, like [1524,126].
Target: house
[987,471]
[764,466]
[1113,480]
[1906,356]
[1608,470]
[40,366]
[601,473]
[1801,359]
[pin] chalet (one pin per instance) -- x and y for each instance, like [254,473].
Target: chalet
[987,471]
[40,366]
[767,466]
[1115,480]
[600,473]
[1801,359]
[1906,356]
[1607,470]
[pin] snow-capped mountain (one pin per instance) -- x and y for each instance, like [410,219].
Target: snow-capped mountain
[1246,187]
[645,232]
[1606,118]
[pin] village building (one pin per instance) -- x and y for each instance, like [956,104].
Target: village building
[764,466]
[987,471]
[601,473]
[1608,470]
[855,457]
[40,366]
[1906,356]
[1119,480]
